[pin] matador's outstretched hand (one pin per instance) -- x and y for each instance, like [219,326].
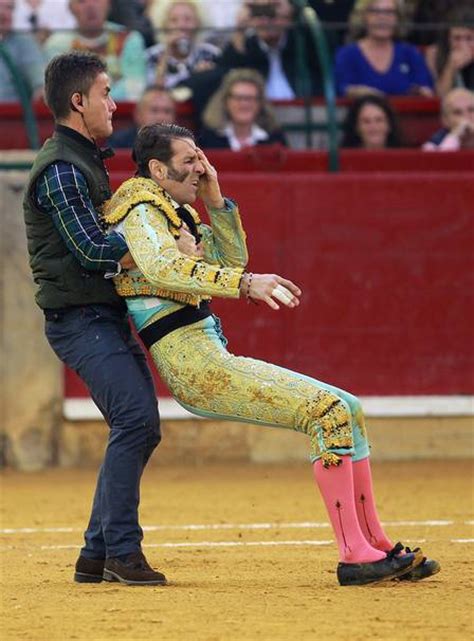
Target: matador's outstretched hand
[270,288]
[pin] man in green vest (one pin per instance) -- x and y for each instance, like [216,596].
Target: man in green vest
[86,324]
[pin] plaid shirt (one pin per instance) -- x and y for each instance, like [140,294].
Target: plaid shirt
[62,192]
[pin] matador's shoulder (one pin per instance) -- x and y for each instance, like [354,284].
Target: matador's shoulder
[137,191]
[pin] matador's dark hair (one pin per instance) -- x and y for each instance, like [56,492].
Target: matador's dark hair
[67,74]
[154,142]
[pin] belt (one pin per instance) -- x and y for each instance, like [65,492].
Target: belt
[180,318]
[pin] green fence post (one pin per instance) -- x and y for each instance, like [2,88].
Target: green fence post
[24,96]
[307,16]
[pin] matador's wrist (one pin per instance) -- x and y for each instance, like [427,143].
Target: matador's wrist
[217,204]
[245,285]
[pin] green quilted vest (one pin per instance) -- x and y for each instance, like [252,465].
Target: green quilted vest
[61,280]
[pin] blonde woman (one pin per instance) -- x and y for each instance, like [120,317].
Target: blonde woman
[179,52]
[377,62]
[238,114]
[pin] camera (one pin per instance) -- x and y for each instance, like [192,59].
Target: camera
[183,45]
[262,10]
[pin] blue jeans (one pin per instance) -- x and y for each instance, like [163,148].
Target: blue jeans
[96,342]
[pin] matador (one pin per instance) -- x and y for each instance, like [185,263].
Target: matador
[181,263]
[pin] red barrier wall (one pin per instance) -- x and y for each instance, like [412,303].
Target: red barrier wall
[385,264]
[419,119]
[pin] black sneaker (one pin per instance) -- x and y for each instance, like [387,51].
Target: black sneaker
[89,570]
[377,571]
[134,570]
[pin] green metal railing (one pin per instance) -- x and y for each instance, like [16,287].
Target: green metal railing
[24,97]
[306,17]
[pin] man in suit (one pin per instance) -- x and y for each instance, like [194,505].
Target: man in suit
[267,40]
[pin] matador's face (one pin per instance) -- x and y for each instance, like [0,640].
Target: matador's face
[183,171]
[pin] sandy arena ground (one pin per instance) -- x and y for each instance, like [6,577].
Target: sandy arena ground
[257,564]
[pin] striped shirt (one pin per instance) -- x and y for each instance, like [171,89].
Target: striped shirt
[62,192]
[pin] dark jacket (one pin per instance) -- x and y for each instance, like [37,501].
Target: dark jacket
[212,139]
[256,57]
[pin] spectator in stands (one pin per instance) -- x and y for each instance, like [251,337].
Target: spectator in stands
[122,50]
[371,123]
[451,59]
[21,59]
[265,40]
[156,106]
[133,15]
[429,17]
[220,19]
[377,62]
[180,52]
[334,17]
[457,111]
[238,114]
[42,17]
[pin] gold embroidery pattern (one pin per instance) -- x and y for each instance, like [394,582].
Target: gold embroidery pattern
[227,232]
[143,190]
[169,273]
[360,421]
[203,375]
[151,224]
[137,285]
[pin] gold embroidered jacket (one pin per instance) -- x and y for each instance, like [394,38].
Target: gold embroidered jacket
[151,227]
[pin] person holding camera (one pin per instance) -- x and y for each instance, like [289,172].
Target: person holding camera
[266,40]
[180,53]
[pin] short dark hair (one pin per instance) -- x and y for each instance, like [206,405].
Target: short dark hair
[154,142]
[351,137]
[67,74]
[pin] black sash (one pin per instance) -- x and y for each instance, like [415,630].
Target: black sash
[180,318]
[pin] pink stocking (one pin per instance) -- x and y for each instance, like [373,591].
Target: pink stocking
[337,488]
[365,505]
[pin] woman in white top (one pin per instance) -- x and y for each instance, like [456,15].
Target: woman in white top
[238,115]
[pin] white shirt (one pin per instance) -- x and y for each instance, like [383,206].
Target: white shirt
[257,134]
[220,15]
[277,85]
[53,15]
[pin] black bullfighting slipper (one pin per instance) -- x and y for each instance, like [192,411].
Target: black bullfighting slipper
[425,569]
[377,571]
[89,570]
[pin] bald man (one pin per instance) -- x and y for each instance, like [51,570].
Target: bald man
[156,106]
[457,111]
